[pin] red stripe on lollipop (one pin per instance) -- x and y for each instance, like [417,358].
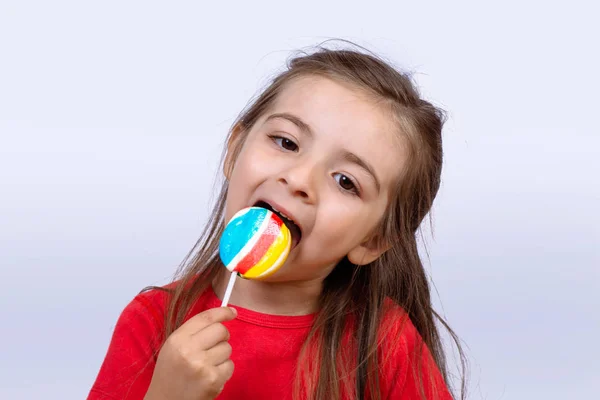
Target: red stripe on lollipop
[261,247]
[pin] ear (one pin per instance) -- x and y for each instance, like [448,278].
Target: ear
[368,251]
[232,146]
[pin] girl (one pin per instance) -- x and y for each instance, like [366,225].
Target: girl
[341,144]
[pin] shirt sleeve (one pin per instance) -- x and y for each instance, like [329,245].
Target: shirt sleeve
[127,368]
[409,370]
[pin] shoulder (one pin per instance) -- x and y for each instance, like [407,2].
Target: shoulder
[138,334]
[407,363]
[150,306]
[144,316]
[399,340]
[152,301]
[397,326]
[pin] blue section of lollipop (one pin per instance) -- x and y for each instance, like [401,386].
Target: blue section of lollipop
[239,231]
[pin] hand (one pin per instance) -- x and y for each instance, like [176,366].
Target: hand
[194,363]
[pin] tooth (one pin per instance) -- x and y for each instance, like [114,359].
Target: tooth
[282,214]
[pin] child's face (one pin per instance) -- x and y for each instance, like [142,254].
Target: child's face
[327,156]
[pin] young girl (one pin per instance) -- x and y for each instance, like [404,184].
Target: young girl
[341,144]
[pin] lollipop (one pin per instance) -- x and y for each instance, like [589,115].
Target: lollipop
[255,244]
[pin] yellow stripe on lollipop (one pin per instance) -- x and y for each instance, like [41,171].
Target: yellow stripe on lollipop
[276,254]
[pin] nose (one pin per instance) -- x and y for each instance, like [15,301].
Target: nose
[299,180]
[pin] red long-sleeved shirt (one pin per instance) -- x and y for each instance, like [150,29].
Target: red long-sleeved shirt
[265,353]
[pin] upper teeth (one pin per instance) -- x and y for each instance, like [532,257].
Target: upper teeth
[280,213]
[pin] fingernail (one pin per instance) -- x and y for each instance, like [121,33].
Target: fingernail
[234,310]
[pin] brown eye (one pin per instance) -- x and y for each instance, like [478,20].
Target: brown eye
[285,143]
[288,145]
[346,183]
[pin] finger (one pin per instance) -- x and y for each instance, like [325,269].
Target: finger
[210,336]
[219,353]
[206,318]
[225,370]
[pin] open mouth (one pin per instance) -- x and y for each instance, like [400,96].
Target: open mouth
[291,225]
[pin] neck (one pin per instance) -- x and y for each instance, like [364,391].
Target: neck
[276,298]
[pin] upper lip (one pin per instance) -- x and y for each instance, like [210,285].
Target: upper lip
[278,207]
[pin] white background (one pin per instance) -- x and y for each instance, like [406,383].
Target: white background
[112,119]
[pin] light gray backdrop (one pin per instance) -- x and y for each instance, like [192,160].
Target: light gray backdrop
[113,113]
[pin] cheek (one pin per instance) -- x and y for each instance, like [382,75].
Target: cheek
[244,169]
[238,186]
[249,171]
[342,226]
[252,163]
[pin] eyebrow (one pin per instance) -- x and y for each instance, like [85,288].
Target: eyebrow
[303,126]
[353,158]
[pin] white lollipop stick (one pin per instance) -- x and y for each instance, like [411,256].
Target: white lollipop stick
[229,289]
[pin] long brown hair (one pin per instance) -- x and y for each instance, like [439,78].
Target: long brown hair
[358,292]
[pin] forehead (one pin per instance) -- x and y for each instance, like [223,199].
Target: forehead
[346,118]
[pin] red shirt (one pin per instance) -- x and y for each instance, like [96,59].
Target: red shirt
[265,353]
